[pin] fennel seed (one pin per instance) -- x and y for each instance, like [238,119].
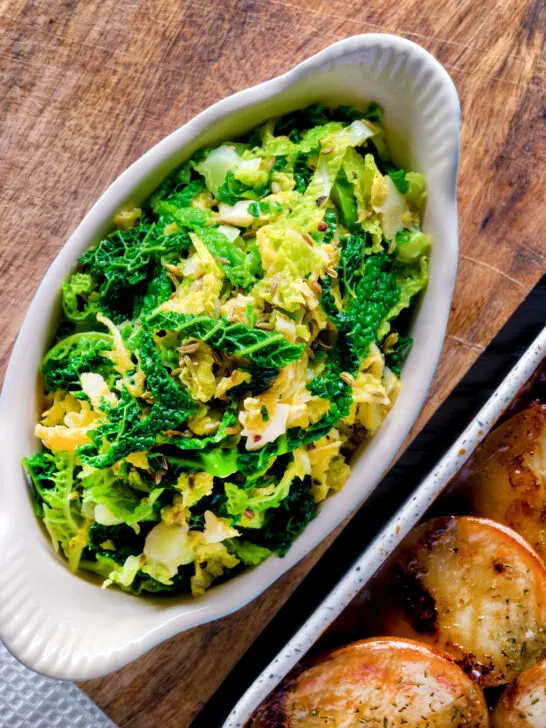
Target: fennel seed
[308,239]
[274,285]
[211,427]
[190,347]
[390,342]
[224,261]
[347,378]
[331,272]
[173,269]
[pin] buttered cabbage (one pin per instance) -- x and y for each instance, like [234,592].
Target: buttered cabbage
[225,348]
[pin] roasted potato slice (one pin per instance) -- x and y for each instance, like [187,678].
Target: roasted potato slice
[523,704]
[473,588]
[384,682]
[506,478]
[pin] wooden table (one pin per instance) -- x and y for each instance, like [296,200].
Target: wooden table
[90,85]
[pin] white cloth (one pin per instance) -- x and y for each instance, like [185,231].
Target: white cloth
[28,700]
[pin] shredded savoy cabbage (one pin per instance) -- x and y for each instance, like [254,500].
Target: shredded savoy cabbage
[224,349]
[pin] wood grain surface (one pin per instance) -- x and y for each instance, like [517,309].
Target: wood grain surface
[90,85]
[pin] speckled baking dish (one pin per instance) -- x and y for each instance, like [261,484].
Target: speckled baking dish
[377,553]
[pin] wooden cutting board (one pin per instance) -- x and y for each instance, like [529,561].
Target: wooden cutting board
[90,85]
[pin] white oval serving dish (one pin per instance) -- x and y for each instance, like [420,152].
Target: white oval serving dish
[67,627]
